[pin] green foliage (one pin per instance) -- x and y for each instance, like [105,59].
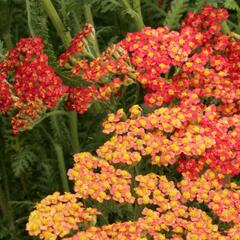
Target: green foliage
[178,8]
[130,96]
[105,6]
[231,5]
[38,26]
[23,160]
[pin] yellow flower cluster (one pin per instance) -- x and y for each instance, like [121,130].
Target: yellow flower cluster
[57,215]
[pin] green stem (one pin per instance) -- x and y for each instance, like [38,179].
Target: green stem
[66,38]
[3,205]
[137,9]
[74,131]
[57,22]
[7,38]
[50,114]
[60,159]
[29,18]
[61,167]
[77,25]
[9,210]
[89,18]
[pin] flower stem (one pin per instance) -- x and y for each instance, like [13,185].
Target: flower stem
[8,40]
[62,167]
[60,159]
[57,22]
[31,30]
[66,38]
[50,114]
[137,9]
[89,18]
[5,200]
[74,131]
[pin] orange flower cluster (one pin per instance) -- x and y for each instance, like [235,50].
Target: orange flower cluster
[173,210]
[224,202]
[163,135]
[175,215]
[57,215]
[116,231]
[96,178]
[190,134]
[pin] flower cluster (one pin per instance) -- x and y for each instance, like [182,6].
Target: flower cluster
[116,231]
[179,212]
[35,87]
[175,214]
[76,45]
[6,97]
[198,134]
[197,57]
[96,178]
[79,98]
[57,215]
[207,189]
[27,115]
[190,134]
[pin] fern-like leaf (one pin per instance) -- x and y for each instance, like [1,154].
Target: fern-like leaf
[105,6]
[37,21]
[23,160]
[178,8]
[231,5]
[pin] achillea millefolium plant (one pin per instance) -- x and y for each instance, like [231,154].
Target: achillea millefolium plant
[150,116]
[167,172]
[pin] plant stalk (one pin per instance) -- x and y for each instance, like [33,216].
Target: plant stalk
[7,38]
[62,167]
[31,30]
[89,17]
[66,38]
[60,160]
[5,201]
[74,131]
[57,22]
[138,10]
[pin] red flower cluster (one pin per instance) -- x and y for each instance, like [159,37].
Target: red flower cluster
[35,87]
[76,45]
[168,62]
[79,98]
[6,97]
[37,80]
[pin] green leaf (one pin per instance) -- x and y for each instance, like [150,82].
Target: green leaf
[178,8]
[23,160]
[231,5]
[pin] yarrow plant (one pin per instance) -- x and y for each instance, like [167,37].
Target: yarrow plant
[32,86]
[169,171]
